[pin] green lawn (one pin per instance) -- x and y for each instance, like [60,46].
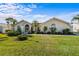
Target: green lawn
[40,45]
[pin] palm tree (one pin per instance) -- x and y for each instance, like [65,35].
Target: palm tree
[45,29]
[53,30]
[35,26]
[75,18]
[14,23]
[19,30]
[8,22]
[11,21]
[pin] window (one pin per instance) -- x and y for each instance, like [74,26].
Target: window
[26,28]
[53,25]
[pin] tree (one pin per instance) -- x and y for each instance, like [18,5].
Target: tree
[11,21]
[75,18]
[14,23]
[32,29]
[19,30]
[53,30]
[8,22]
[66,31]
[35,26]
[45,29]
[38,30]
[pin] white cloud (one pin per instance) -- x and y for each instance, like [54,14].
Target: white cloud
[16,16]
[20,12]
[17,11]
[67,17]
[28,9]
[7,7]
[32,6]
[41,17]
[14,8]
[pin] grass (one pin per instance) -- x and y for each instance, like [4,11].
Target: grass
[40,45]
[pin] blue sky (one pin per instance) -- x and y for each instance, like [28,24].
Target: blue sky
[38,11]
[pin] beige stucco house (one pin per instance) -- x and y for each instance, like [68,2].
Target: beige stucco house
[58,23]
[26,26]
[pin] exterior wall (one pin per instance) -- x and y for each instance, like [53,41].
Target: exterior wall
[59,25]
[75,27]
[22,26]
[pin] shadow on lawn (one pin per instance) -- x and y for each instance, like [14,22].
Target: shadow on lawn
[29,35]
[3,38]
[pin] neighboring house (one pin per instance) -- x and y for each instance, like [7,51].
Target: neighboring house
[75,25]
[4,27]
[26,26]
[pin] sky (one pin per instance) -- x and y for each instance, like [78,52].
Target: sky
[38,11]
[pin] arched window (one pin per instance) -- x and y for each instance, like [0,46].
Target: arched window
[53,25]
[26,28]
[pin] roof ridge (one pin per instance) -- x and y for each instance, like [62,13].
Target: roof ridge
[22,21]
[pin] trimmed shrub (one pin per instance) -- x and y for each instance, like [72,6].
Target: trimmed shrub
[13,33]
[48,32]
[21,37]
[0,32]
[71,33]
[7,31]
[66,31]
[59,33]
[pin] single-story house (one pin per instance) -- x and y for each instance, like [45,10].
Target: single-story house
[26,26]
